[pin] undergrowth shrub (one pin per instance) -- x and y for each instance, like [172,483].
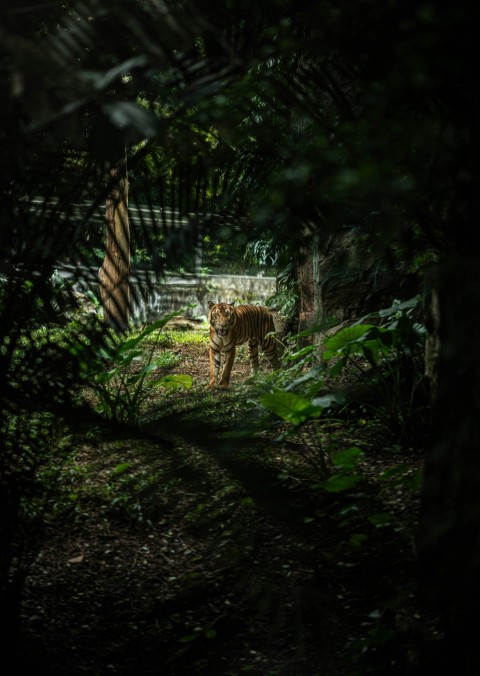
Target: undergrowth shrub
[373,367]
[121,372]
[388,359]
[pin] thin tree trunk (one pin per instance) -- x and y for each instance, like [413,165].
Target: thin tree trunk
[114,274]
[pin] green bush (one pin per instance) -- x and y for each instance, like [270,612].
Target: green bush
[374,366]
[388,356]
[121,372]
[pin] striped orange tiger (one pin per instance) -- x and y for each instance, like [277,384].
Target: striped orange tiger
[231,326]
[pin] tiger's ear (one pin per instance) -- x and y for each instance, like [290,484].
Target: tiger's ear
[210,304]
[232,304]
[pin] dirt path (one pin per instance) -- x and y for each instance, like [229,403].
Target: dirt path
[170,564]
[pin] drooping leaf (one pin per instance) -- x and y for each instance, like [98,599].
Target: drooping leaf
[133,341]
[314,374]
[300,353]
[328,400]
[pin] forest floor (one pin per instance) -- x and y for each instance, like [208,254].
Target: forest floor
[176,559]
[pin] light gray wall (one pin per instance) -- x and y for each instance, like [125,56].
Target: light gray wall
[152,299]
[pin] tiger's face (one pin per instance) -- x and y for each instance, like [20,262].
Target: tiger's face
[222,317]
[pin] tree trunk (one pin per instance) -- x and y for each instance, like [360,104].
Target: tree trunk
[449,532]
[306,294]
[114,274]
[309,302]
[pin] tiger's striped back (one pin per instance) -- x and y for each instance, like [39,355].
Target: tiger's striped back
[255,321]
[231,326]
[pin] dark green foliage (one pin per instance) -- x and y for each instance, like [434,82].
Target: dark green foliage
[244,122]
[119,373]
[389,358]
[370,371]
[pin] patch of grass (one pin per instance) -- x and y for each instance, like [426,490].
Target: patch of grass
[166,359]
[176,338]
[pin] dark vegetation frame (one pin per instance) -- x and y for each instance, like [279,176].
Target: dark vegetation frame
[278,113]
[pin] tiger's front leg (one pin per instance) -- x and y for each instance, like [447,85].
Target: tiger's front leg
[227,369]
[215,360]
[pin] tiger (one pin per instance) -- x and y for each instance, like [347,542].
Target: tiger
[231,326]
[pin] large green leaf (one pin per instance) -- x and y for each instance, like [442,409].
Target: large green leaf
[346,339]
[291,407]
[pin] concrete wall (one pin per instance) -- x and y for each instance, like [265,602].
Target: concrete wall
[152,299]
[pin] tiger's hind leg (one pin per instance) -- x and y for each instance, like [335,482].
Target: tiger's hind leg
[269,347]
[253,354]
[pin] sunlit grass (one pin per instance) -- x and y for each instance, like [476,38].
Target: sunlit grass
[173,338]
[167,359]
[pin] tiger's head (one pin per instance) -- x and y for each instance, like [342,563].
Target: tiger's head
[222,317]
